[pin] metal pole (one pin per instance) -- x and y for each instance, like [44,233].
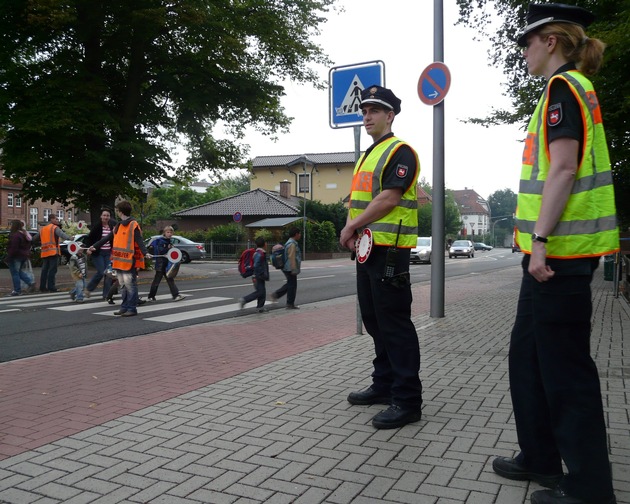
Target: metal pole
[437,218]
[357,155]
[304,220]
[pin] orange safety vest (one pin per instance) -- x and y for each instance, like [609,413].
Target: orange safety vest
[50,243]
[125,252]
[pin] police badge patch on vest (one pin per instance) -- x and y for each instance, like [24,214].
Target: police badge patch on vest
[401,171]
[554,114]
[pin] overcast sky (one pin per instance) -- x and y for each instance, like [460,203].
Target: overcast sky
[400,33]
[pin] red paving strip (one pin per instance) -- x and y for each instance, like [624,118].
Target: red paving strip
[48,397]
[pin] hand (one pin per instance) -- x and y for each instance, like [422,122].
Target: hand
[149,256]
[538,267]
[90,250]
[348,237]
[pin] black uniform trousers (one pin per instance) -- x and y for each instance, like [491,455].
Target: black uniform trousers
[555,385]
[386,314]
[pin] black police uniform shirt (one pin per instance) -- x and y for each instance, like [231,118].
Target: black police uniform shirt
[566,124]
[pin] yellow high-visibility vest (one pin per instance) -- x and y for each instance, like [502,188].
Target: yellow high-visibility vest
[588,224]
[366,185]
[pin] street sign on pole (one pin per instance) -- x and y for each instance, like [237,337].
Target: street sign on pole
[434,83]
[345,84]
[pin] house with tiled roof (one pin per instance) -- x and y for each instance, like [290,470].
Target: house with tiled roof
[324,177]
[247,208]
[475,212]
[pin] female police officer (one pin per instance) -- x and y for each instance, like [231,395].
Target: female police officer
[565,222]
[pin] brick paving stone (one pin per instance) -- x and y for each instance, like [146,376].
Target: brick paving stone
[281,430]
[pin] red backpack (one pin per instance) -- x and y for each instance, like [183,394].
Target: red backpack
[246,263]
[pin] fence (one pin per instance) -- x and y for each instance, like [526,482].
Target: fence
[225,251]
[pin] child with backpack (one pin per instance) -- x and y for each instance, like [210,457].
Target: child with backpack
[259,277]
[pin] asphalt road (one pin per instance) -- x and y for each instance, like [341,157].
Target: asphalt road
[41,323]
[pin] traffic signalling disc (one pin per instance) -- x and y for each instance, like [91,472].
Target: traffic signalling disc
[174,255]
[81,225]
[364,245]
[73,248]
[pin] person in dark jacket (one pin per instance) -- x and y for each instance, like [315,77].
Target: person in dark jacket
[101,255]
[261,275]
[18,252]
[161,246]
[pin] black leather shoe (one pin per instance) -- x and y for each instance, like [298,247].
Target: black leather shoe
[368,396]
[509,468]
[395,416]
[558,496]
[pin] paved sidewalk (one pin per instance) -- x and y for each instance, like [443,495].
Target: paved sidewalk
[254,410]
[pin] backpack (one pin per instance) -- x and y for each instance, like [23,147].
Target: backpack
[277,256]
[246,263]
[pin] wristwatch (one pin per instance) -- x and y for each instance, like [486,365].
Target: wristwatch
[537,237]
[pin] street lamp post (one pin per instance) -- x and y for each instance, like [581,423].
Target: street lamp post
[303,188]
[494,243]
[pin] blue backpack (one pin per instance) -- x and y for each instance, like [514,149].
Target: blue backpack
[277,256]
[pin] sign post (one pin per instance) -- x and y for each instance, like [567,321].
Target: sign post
[345,85]
[433,85]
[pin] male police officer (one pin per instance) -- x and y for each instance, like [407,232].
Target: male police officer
[383,199]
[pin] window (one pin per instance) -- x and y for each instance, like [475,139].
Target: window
[304,183]
[33,218]
[60,214]
[69,218]
[47,214]
[10,199]
[18,201]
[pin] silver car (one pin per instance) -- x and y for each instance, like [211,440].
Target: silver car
[422,251]
[462,248]
[190,250]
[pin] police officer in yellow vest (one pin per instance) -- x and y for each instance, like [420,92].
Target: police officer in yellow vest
[128,253]
[383,199]
[565,222]
[49,236]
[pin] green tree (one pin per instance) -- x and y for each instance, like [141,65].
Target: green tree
[95,95]
[612,83]
[452,219]
[335,213]
[502,204]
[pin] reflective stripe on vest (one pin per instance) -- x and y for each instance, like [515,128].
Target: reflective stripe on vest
[50,243]
[123,247]
[366,185]
[588,224]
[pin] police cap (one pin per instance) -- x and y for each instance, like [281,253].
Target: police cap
[542,14]
[380,96]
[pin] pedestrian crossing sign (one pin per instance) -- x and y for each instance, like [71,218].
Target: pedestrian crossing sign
[345,85]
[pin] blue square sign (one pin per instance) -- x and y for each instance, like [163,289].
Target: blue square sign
[345,86]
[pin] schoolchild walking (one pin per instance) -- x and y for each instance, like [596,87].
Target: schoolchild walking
[78,269]
[161,245]
[261,275]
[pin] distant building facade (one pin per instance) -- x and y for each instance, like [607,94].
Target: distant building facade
[14,206]
[474,211]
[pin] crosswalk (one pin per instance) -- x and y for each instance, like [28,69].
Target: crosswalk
[165,310]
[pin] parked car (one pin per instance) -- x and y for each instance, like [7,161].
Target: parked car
[515,248]
[190,250]
[81,239]
[482,246]
[422,251]
[462,248]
